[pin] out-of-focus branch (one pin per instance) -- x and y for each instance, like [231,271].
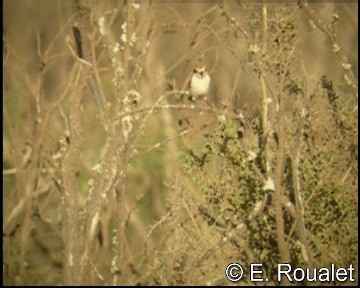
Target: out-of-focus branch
[71,208]
[299,200]
[264,99]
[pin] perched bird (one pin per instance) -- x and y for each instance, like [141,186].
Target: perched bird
[200,82]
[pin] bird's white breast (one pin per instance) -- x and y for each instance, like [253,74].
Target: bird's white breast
[200,85]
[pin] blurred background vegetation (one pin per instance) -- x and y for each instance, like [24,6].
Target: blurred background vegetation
[187,176]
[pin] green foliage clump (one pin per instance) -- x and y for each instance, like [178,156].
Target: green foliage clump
[233,190]
[329,180]
[235,187]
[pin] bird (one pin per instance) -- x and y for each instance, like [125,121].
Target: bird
[200,82]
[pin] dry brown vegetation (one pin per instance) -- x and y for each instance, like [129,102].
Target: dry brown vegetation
[113,177]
